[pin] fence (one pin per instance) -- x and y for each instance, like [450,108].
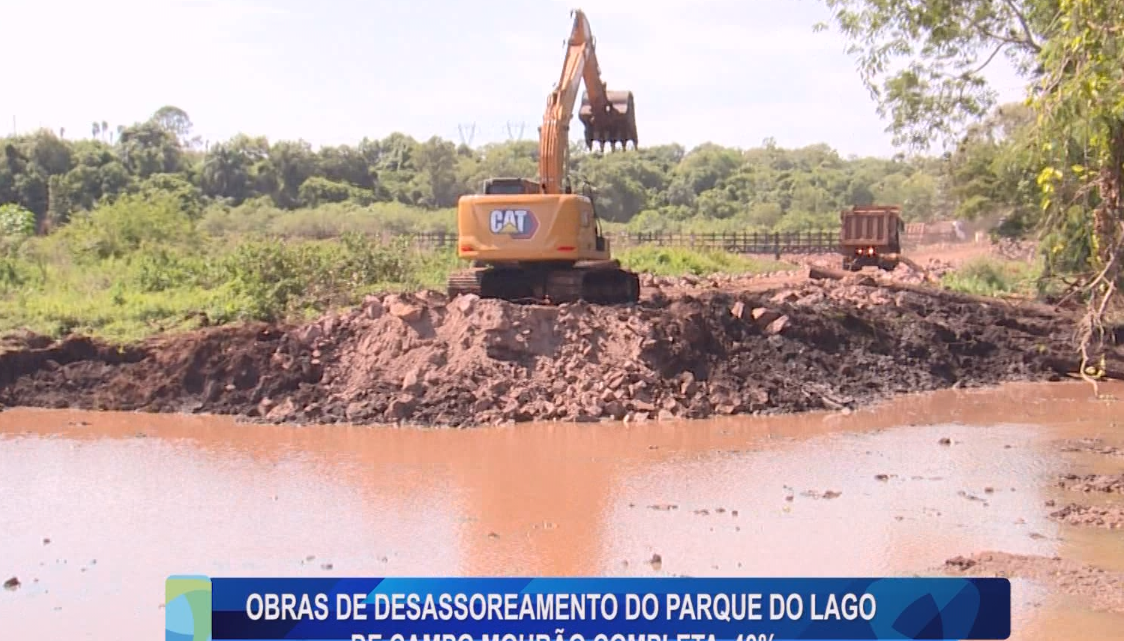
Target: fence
[776,243]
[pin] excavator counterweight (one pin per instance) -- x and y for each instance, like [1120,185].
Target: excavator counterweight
[536,240]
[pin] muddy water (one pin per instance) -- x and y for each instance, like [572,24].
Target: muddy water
[126,499]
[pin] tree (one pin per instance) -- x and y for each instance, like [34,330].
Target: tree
[1070,52]
[923,60]
[175,121]
[1080,105]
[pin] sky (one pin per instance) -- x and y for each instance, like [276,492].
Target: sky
[733,72]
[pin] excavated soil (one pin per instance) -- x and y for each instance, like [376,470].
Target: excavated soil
[1093,483]
[1111,517]
[1102,589]
[1092,446]
[424,360]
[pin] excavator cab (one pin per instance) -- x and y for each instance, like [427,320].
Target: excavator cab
[510,186]
[600,243]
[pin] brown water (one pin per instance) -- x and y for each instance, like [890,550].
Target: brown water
[127,499]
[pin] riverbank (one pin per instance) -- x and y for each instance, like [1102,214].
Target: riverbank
[421,359]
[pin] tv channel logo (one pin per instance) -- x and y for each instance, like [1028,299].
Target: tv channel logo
[187,608]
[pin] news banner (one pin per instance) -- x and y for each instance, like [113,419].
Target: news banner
[199,608]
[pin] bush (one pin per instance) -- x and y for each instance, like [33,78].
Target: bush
[117,229]
[668,261]
[991,277]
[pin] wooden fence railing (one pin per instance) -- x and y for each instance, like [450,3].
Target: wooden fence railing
[805,242]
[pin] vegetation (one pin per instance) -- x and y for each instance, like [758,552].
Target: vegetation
[676,261]
[923,62]
[398,183]
[141,225]
[142,265]
[993,277]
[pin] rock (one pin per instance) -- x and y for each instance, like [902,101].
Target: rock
[763,316]
[309,334]
[738,310]
[785,296]
[758,397]
[615,409]
[465,302]
[354,410]
[401,407]
[777,326]
[12,584]
[411,382]
[282,411]
[406,311]
[372,307]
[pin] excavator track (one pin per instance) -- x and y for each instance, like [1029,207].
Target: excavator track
[599,282]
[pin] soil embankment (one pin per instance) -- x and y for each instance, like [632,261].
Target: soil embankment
[425,360]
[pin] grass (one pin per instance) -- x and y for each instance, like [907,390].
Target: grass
[995,277]
[168,289]
[678,261]
[142,266]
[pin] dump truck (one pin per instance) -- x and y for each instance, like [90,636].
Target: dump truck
[871,237]
[537,240]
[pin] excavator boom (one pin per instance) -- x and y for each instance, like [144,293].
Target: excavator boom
[536,240]
[608,116]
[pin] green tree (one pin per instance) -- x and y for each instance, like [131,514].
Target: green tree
[924,60]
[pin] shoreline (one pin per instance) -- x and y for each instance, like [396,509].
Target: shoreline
[420,359]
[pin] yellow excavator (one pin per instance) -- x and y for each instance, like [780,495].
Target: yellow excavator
[537,241]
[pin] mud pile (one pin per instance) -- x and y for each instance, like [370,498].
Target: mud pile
[422,359]
[1110,517]
[1101,589]
[712,281]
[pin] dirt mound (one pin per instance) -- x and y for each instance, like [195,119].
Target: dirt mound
[1111,517]
[711,281]
[1091,446]
[1106,483]
[1104,590]
[425,360]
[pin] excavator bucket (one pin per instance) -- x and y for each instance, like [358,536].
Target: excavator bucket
[616,123]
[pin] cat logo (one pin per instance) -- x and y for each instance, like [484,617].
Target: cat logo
[516,223]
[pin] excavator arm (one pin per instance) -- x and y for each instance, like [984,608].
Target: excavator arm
[608,116]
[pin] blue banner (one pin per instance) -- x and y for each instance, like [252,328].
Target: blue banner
[599,609]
